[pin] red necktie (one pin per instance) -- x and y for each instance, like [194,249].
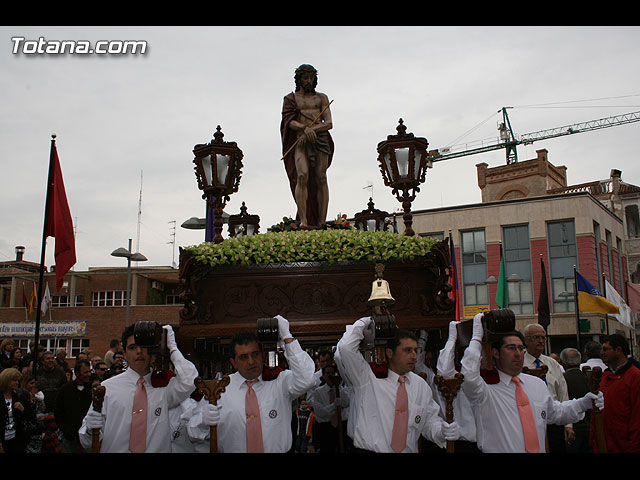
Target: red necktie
[531,443]
[401,421]
[254,425]
[138,436]
[334,417]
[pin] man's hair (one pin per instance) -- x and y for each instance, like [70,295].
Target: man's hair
[593,349]
[324,352]
[616,340]
[126,334]
[528,327]
[570,358]
[114,343]
[498,341]
[305,68]
[79,364]
[242,338]
[398,337]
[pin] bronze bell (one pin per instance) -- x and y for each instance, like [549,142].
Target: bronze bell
[380,291]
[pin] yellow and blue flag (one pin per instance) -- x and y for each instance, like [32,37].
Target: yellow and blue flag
[590,299]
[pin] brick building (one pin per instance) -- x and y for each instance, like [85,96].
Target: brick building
[90,308]
[530,212]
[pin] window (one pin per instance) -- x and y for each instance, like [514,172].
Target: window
[474,268]
[173,300]
[596,233]
[60,301]
[561,237]
[115,298]
[517,260]
[619,247]
[609,259]
[77,345]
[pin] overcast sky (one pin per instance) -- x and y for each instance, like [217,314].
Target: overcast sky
[126,123]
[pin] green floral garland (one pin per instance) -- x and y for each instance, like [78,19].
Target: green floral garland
[332,246]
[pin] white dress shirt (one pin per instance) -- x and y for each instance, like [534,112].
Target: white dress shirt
[118,406]
[275,398]
[320,400]
[373,401]
[499,429]
[554,379]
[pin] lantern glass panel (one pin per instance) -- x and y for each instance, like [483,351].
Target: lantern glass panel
[371,225]
[416,163]
[387,162]
[402,159]
[250,229]
[222,164]
[206,167]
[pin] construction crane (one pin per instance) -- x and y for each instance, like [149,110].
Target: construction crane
[509,141]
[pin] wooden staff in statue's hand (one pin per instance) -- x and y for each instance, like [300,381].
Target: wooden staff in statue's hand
[211,390]
[318,117]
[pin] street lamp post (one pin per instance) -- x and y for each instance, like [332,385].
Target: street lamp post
[136,257]
[403,164]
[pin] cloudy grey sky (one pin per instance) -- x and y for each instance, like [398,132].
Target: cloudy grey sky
[126,121]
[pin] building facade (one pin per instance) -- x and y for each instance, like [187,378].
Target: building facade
[532,218]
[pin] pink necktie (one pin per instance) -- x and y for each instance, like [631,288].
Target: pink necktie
[531,443]
[138,436]
[254,425]
[401,421]
[334,417]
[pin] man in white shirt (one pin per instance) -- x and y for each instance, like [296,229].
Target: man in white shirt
[274,397]
[374,400]
[325,400]
[115,420]
[500,428]
[535,339]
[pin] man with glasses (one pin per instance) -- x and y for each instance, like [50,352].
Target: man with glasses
[512,414]
[535,339]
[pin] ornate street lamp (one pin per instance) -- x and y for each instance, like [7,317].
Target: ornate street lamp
[371,219]
[243,223]
[403,163]
[218,170]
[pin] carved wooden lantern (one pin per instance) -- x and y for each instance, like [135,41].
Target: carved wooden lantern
[371,219]
[218,166]
[243,223]
[403,164]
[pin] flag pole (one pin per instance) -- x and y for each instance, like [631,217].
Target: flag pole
[604,294]
[575,293]
[36,339]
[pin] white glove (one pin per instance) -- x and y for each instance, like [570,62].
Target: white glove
[422,339]
[39,396]
[453,331]
[450,431]
[211,414]
[171,338]
[283,328]
[478,330]
[94,419]
[586,401]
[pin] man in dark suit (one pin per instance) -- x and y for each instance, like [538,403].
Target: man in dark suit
[578,387]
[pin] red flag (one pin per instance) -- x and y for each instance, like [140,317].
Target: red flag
[633,294]
[58,221]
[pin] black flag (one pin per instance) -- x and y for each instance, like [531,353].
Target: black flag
[544,314]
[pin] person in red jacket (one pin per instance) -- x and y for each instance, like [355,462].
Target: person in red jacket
[620,385]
